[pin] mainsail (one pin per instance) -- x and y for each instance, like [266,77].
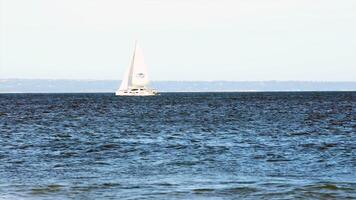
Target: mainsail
[139,75]
[136,73]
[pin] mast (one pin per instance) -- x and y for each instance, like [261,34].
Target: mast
[132,65]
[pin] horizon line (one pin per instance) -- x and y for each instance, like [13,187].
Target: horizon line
[68,79]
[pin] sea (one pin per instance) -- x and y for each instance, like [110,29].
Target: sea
[238,145]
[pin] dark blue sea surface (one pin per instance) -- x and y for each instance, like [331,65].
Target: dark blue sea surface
[286,145]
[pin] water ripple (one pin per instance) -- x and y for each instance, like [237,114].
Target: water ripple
[178,146]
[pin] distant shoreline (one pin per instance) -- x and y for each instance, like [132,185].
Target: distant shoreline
[110,86]
[113,93]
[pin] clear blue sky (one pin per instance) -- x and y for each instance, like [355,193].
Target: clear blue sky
[234,40]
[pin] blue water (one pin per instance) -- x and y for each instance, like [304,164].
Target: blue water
[178,146]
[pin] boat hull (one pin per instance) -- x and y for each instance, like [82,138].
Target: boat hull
[136,93]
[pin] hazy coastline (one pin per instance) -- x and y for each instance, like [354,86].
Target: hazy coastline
[93,86]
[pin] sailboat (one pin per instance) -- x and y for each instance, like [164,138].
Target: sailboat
[135,80]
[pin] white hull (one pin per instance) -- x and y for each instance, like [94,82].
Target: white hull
[137,92]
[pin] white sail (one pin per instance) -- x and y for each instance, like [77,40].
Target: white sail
[125,81]
[139,76]
[135,80]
